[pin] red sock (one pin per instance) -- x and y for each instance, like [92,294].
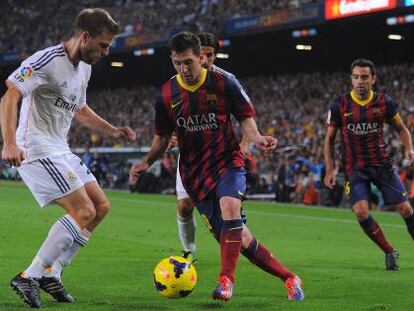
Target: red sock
[373,230]
[230,245]
[258,254]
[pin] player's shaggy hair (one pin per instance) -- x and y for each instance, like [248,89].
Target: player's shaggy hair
[183,41]
[362,62]
[95,21]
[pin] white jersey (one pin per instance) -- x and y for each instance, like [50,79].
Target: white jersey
[53,90]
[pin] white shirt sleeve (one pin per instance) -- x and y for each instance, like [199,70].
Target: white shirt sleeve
[82,100]
[26,79]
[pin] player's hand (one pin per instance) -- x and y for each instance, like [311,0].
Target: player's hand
[135,171]
[12,155]
[330,179]
[124,131]
[409,155]
[173,142]
[267,144]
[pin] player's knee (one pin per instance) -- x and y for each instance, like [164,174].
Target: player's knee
[185,208]
[361,212]
[404,209]
[230,208]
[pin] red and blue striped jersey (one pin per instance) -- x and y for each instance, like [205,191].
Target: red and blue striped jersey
[361,128]
[200,116]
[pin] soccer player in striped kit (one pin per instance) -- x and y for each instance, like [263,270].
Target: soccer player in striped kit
[52,86]
[185,206]
[359,116]
[196,104]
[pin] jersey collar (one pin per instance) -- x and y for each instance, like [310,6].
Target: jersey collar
[193,88]
[359,101]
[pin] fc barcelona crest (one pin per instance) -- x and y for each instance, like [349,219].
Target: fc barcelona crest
[211,100]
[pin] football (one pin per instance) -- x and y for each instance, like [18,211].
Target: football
[175,277]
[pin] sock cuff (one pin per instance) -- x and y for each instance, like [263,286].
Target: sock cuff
[368,223]
[251,249]
[410,219]
[232,224]
[185,220]
[70,225]
[83,237]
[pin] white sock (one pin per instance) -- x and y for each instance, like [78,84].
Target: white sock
[67,256]
[186,232]
[61,236]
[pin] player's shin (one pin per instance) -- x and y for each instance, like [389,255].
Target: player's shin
[61,236]
[230,245]
[409,221]
[259,255]
[374,232]
[66,258]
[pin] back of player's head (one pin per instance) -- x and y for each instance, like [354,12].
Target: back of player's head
[95,21]
[183,41]
[362,62]
[208,39]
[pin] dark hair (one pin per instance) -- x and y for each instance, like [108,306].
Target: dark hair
[183,41]
[95,21]
[362,62]
[208,39]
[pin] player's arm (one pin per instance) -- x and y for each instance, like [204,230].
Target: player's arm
[244,146]
[398,124]
[264,143]
[11,154]
[158,147]
[89,118]
[328,152]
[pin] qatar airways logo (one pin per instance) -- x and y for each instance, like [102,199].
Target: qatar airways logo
[363,128]
[198,122]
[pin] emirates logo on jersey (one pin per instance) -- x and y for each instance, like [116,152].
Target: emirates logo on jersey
[198,122]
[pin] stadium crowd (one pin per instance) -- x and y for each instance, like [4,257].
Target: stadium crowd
[290,107]
[31,25]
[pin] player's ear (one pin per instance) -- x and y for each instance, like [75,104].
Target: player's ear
[203,58]
[85,36]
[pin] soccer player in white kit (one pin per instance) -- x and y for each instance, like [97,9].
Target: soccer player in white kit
[185,206]
[52,86]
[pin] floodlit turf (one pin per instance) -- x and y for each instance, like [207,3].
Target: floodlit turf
[340,267]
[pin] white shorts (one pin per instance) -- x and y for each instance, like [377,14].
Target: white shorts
[52,178]
[179,187]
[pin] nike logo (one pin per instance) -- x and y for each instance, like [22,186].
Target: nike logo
[404,193]
[241,193]
[347,114]
[176,104]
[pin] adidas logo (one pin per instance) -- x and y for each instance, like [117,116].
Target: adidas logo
[64,84]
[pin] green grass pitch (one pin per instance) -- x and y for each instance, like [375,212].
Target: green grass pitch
[341,268]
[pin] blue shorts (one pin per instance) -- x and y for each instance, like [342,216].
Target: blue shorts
[232,184]
[387,180]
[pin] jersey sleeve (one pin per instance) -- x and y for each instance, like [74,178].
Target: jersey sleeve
[27,79]
[84,86]
[390,108]
[241,106]
[163,125]
[334,115]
